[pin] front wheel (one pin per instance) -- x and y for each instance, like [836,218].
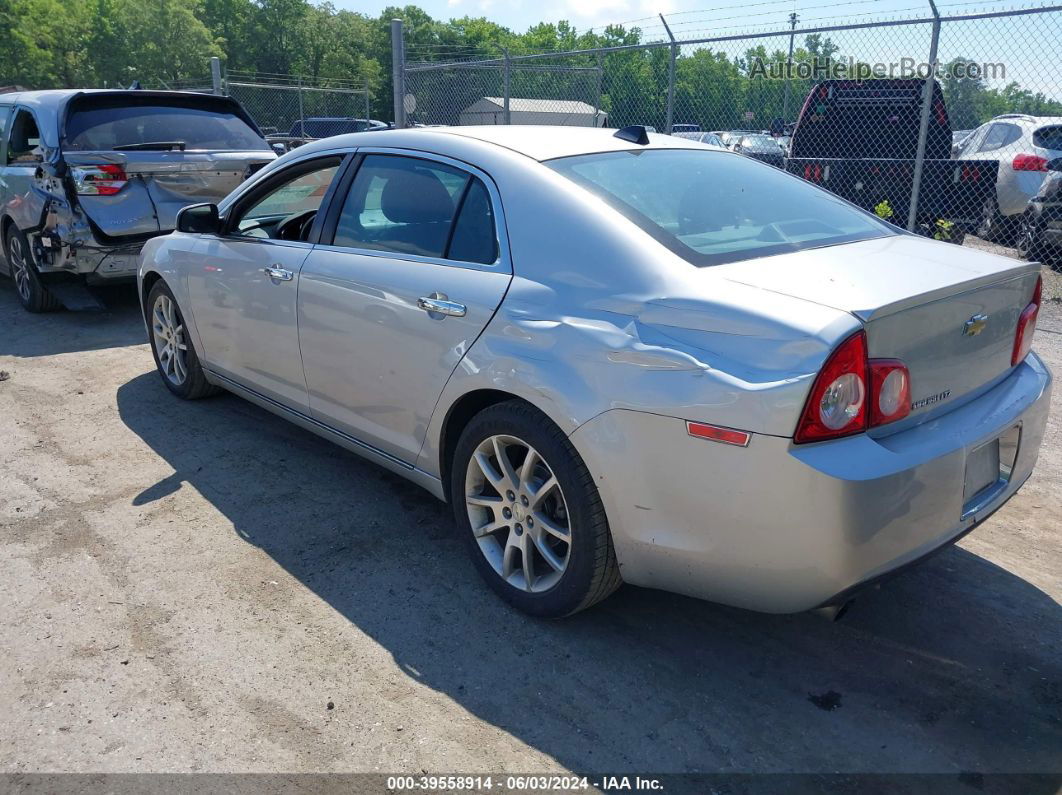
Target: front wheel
[175,356]
[1029,244]
[531,513]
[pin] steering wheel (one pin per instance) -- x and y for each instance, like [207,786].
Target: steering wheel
[296,226]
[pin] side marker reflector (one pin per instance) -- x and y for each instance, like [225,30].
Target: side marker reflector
[717,434]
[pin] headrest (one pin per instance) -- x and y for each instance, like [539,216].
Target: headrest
[415,196]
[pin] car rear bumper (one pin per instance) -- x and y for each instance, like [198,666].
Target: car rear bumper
[779,527]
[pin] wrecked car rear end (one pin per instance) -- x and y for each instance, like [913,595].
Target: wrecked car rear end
[113,168]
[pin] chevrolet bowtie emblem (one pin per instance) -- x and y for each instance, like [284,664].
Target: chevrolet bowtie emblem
[975,325]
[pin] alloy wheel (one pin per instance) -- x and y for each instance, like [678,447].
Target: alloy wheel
[19,267]
[518,514]
[168,335]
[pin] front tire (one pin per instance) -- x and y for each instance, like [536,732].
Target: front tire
[175,356]
[532,515]
[1029,244]
[31,292]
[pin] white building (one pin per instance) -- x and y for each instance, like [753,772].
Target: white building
[567,112]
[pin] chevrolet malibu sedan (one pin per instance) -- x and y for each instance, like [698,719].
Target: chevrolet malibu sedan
[620,357]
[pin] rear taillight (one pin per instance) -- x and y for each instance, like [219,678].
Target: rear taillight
[1023,336]
[836,405]
[102,180]
[890,391]
[853,392]
[1027,162]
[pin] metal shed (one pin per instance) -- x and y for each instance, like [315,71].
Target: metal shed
[567,112]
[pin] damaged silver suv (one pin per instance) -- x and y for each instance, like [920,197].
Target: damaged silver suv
[87,176]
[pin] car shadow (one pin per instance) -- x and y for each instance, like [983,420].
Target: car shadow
[26,334]
[951,667]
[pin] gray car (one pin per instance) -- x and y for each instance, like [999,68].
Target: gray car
[87,176]
[619,356]
[1023,145]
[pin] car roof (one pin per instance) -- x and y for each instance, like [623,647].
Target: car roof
[537,142]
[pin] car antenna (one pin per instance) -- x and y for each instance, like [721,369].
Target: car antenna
[635,133]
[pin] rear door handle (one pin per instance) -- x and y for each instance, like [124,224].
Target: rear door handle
[440,304]
[279,274]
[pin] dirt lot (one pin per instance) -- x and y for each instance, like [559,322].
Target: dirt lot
[204,587]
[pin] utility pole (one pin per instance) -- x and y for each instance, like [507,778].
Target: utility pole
[789,67]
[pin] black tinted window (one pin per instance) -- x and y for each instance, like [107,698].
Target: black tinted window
[401,204]
[474,239]
[156,126]
[1049,137]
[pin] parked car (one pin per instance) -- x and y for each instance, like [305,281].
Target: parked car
[87,176]
[730,138]
[1040,237]
[326,126]
[1021,145]
[859,139]
[761,147]
[619,356]
[685,128]
[703,137]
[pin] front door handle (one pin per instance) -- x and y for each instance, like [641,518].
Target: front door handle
[279,274]
[441,305]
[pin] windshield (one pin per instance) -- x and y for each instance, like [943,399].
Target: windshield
[712,207]
[764,142]
[164,127]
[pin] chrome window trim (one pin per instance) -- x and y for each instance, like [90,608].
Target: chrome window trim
[504,260]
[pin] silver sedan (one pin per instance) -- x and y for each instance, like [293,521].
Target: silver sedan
[620,357]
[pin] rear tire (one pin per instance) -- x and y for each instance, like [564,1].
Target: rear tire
[175,356]
[541,503]
[995,227]
[29,288]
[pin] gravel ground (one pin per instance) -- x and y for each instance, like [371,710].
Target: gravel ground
[204,587]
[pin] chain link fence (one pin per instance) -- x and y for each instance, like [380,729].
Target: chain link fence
[844,104]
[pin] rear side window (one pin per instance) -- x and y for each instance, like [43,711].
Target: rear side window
[1000,135]
[408,205]
[474,239]
[716,207]
[25,138]
[1049,137]
[158,127]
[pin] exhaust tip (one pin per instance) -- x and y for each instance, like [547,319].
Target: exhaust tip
[833,613]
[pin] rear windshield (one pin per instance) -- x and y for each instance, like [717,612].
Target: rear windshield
[159,127]
[712,207]
[1049,137]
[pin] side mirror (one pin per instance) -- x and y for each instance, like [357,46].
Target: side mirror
[279,148]
[199,219]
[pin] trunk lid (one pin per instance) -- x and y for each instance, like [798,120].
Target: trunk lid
[949,313]
[160,183]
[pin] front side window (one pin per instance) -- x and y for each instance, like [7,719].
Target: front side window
[286,210]
[408,205]
[24,144]
[715,207]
